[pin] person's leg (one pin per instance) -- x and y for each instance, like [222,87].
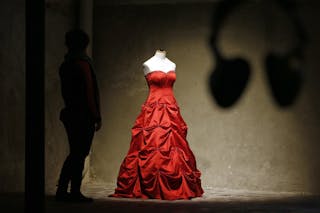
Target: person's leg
[66,171]
[65,176]
[80,151]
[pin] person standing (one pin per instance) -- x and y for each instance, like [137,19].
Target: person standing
[81,114]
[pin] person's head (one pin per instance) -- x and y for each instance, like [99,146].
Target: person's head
[76,40]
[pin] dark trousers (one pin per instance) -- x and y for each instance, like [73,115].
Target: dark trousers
[80,134]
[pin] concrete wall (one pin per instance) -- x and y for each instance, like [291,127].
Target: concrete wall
[253,146]
[12,95]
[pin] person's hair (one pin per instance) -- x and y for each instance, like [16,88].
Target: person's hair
[76,39]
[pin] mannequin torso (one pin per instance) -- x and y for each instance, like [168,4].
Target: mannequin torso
[158,62]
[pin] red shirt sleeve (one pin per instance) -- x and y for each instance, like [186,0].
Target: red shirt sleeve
[90,93]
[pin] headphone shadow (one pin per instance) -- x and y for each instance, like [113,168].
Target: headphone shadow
[229,78]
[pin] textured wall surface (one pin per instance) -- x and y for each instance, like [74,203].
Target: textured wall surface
[12,110]
[253,146]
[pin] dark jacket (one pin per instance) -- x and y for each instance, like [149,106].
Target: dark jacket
[79,91]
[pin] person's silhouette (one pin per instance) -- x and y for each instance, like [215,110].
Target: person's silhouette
[81,114]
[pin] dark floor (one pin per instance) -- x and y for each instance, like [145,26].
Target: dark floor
[212,201]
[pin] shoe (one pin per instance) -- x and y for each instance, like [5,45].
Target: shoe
[62,196]
[80,198]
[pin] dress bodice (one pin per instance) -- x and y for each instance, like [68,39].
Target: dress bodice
[161,86]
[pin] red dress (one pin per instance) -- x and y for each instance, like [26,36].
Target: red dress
[159,163]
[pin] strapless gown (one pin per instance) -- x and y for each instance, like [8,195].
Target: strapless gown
[159,163]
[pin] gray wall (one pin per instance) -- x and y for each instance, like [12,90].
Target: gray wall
[12,74]
[253,146]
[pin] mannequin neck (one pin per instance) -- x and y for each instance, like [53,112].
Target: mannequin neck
[160,54]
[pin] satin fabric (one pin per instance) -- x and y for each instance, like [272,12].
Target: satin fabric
[159,163]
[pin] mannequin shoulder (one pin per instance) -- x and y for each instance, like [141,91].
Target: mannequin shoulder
[150,65]
[149,62]
[170,64]
[146,68]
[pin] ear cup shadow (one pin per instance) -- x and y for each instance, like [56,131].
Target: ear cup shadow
[228,81]
[284,78]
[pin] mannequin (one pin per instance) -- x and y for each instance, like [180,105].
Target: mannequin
[158,62]
[159,163]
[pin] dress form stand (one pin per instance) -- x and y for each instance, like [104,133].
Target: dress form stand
[158,62]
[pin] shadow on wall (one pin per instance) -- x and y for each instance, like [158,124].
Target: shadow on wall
[284,72]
